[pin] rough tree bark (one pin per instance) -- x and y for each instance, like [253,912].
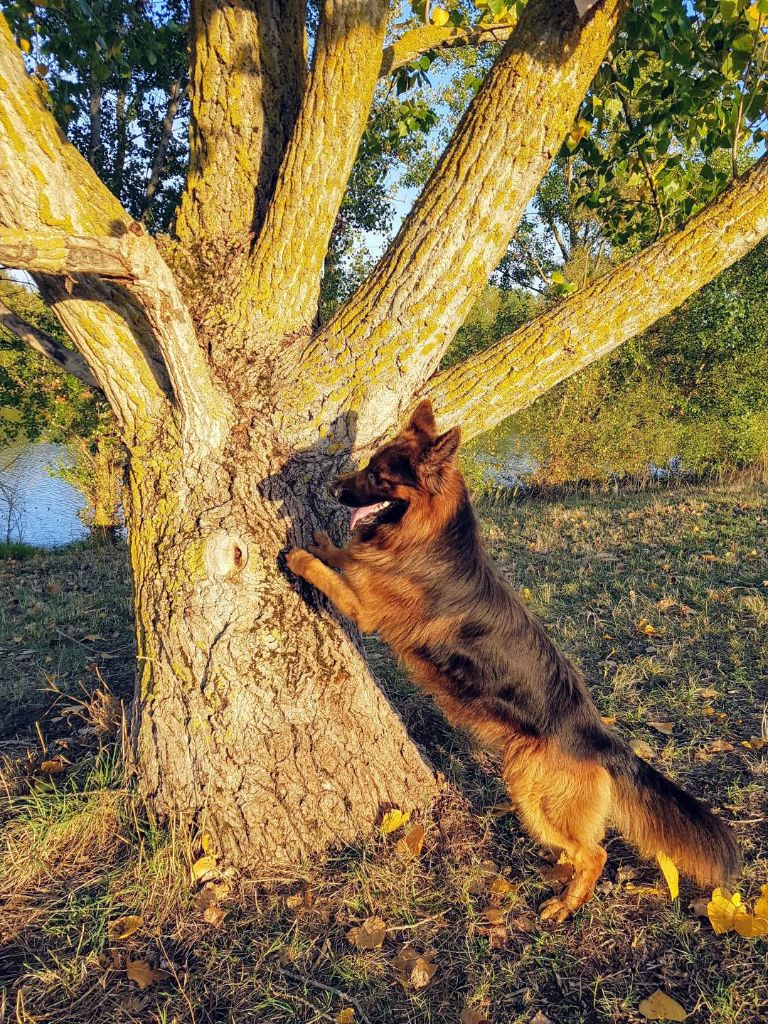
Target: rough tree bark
[256,718]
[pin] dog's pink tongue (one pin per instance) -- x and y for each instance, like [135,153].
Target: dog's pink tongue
[361,513]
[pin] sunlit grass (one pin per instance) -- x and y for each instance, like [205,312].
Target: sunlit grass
[79,849]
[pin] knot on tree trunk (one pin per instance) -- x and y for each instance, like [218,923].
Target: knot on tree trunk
[226,554]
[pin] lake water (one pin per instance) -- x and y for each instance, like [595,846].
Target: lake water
[35,507]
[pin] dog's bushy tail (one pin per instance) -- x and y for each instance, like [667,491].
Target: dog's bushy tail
[657,816]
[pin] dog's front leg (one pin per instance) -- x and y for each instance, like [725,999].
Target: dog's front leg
[335,587]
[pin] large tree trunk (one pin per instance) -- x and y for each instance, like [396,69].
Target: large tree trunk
[255,716]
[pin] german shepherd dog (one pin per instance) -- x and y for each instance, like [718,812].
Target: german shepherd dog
[415,571]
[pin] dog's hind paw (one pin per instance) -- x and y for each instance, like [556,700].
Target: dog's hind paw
[557,909]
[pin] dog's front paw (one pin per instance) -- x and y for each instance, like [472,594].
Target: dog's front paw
[556,909]
[323,547]
[298,561]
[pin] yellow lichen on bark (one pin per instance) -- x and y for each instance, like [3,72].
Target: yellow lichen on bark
[388,339]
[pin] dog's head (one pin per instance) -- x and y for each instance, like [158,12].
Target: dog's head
[414,466]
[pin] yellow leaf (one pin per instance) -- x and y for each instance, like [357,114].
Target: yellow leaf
[54,767]
[660,1006]
[144,975]
[393,820]
[440,17]
[722,909]
[207,844]
[369,935]
[25,45]
[761,907]
[346,1016]
[642,749]
[123,927]
[203,866]
[411,844]
[608,720]
[671,875]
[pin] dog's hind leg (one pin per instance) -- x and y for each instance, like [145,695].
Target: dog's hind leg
[564,802]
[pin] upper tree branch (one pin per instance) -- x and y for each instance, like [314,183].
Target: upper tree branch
[417,41]
[247,79]
[178,91]
[49,189]
[489,386]
[393,332]
[283,291]
[64,357]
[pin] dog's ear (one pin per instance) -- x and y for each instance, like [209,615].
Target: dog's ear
[423,419]
[437,457]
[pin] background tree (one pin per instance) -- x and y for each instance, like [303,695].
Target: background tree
[255,716]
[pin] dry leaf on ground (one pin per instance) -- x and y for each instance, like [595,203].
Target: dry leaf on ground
[123,927]
[660,1006]
[471,1016]
[410,846]
[493,915]
[719,747]
[667,728]
[213,914]
[346,1016]
[369,935]
[501,886]
[642,749]
[55,766]
[416,970]
[144,975]
[557,874]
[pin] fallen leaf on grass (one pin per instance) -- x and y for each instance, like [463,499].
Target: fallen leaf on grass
[416,970]
[660,1006]
[558,875]
[144,975]
[410,846]
[645,627]
[213,914]
[488,870]
[393,820]
[708,693]
[471,1016]
[203,866]
[671,875]
[346,1016]
[608,720]
[55,766]
[667,728]
[642,749]
[754,743]
[720,747]
[727,913]
[501,886]
[493,915]
[301,900]
[369,935]
[123,927]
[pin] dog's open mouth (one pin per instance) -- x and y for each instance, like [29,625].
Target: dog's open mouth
[367,513]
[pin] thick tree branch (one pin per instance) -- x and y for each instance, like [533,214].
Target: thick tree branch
[247,79]
[51,252]
[490,386]
[282,293]
[418,41]
[64,357]
[393,332]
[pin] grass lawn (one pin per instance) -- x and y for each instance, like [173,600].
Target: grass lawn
[661,597]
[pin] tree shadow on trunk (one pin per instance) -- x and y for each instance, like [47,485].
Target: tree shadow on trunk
[303,484]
